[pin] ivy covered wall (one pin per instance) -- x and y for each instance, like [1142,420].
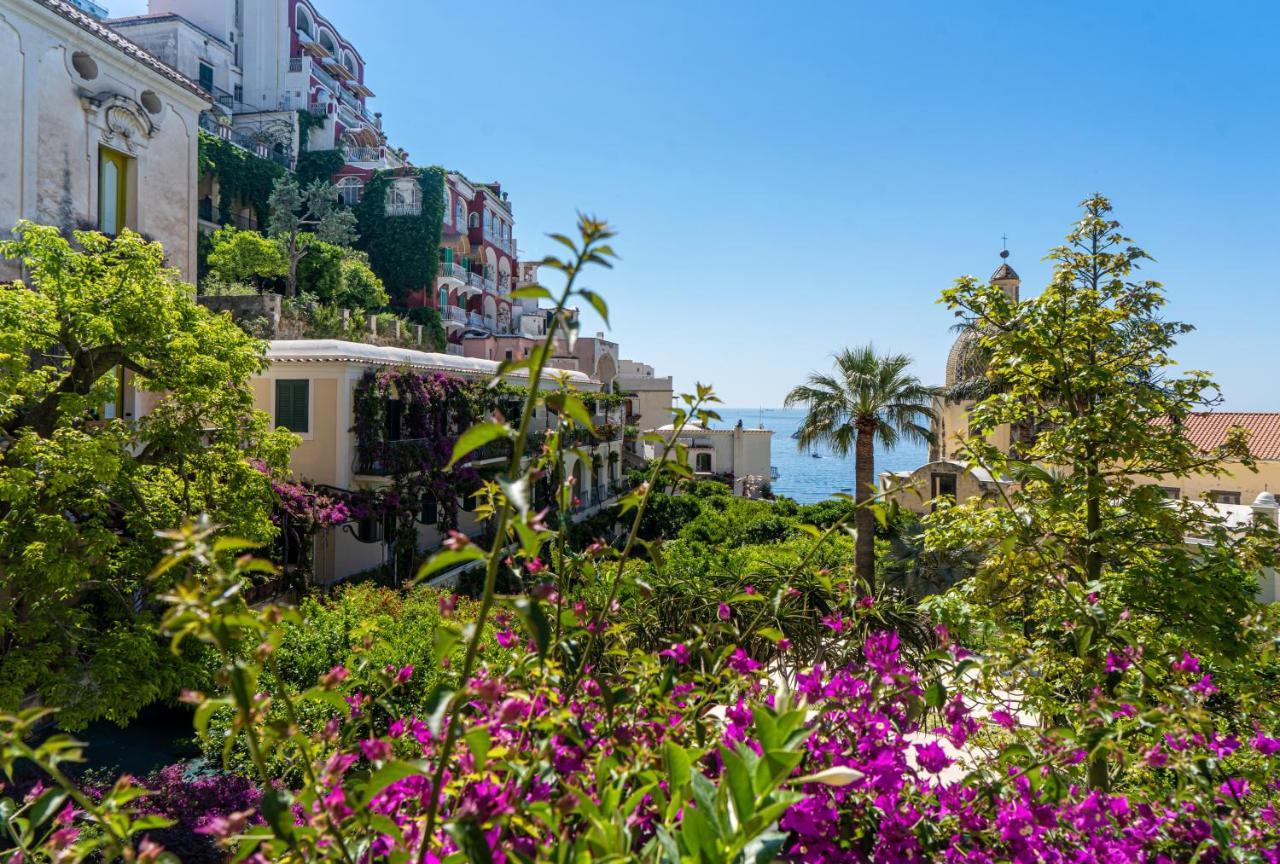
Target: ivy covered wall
[318,165]
[240,174]
[403,250]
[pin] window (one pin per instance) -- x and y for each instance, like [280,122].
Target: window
[350,190]
[430,514]
[460,218]
[1173,493]
[447,213]
[293,405]
[304,22]
[113,179]
[206,76]
[474,221]
[508,356]
[444,298]
[703,463]
[395,413]
[1220,497]
[943,484]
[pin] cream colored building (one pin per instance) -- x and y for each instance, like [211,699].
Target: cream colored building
[94,131]
[649,397]
[317,379]
[742,456]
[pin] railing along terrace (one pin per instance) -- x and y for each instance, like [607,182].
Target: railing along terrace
[404,209]
[453,271]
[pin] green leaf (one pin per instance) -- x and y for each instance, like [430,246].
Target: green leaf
[447,558]
[46,806]
[739,781]
[471,841]
[535,623]
[478,742]
[935,695]
[445,638]
[597,303]
[678,764]
[531,292]
[276,810]
[476,437]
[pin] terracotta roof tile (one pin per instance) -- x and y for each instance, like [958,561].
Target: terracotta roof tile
[1208,430]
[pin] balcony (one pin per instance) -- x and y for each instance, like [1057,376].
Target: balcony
[409,209]
[453,317]
[491,285]
[367,155]
[455,350]
[453,274]
[473,285]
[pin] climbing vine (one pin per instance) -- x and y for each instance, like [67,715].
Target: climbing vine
[307,122]
[413,448]
[403,250]
[318,165]
[239,174]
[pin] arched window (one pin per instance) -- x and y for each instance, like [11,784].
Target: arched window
[304,22]
[350,190]
[350,62]
[444,298]
[327,43]
[460,219]
[475,220]
[488,222]
[448,216]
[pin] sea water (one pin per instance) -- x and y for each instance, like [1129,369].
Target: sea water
[809,477]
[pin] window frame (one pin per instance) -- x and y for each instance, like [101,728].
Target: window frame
[121,162]
[305,434]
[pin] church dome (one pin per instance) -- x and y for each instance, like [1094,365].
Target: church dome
[960,361]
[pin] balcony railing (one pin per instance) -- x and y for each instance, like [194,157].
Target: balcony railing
[455,350]
[475,320]
[475,280]
[491,285]
[453,313]
[410,209]
[452,271]
[363,154]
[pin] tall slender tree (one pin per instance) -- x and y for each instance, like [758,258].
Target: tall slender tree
[297,212]
[868,398]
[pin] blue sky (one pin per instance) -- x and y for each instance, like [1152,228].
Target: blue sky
[791,178]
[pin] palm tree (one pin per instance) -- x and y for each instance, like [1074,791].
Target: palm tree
[868,398]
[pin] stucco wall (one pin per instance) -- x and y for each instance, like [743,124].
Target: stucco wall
[1248,483]
[55,118]
[913,493]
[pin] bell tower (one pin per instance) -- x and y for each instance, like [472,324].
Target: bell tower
[1006,278]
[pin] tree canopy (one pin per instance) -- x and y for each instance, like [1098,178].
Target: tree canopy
[85,482]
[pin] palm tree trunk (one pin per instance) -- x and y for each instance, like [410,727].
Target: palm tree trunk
[864,458]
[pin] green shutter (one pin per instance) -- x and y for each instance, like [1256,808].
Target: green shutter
[292,404]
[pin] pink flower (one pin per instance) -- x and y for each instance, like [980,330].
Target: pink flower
[1004,719]
[742,664]
[1188,663]
[678,652]
[784,645]
[932,758]
[336,676]
[835,622]
[1117,662]
[534,567]
[448,604]
[505,638]
[723,612]
[405,673]
[376,749]
[1266,746]
[1204,686]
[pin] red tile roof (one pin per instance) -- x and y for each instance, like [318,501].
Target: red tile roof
[1208,430]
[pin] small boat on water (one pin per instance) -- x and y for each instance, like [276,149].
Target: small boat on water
[795,435]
